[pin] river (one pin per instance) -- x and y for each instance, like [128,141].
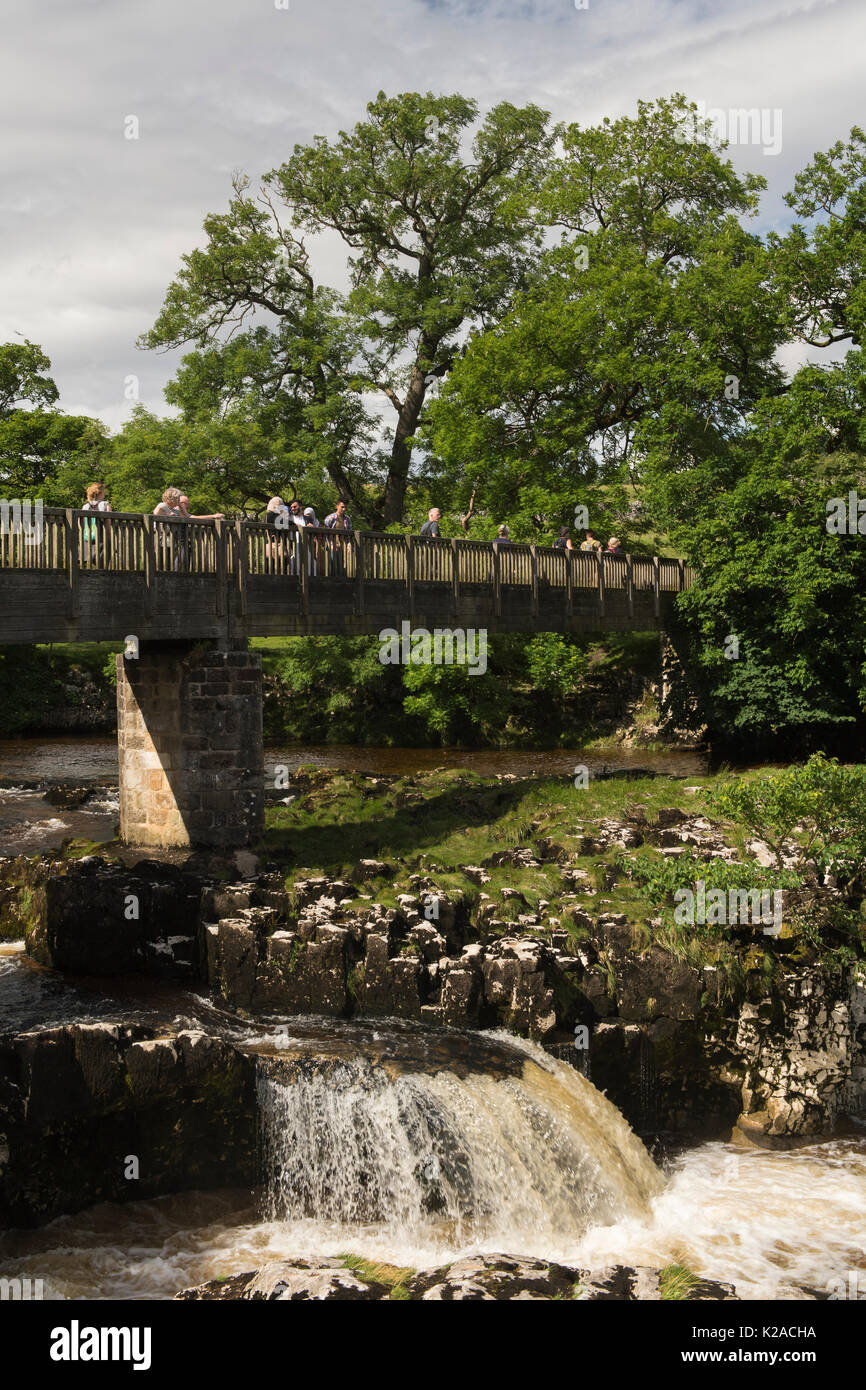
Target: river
[30,824]
[548,1168]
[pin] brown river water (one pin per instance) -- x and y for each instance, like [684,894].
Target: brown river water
[528,1157]
[28,824]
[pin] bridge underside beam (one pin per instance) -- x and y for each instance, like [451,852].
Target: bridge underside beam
[35,606]
[190,745]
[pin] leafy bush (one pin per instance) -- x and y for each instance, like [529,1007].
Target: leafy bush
[822,804]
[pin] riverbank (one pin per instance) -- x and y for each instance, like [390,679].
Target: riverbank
[594,690]
[343,1020]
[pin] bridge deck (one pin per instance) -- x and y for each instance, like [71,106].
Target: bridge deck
[73,576]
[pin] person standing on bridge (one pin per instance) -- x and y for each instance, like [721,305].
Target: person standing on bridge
[591,543]
[430,530]
[95,535]
[170,542]
[431,525]
[338,521]
[311,522]
[563,540]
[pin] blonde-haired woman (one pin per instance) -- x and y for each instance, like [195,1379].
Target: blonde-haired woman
[95,534]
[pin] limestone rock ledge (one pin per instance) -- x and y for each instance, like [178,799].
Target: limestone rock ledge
[476,1279]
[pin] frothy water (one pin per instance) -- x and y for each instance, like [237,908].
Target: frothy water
[419,1167]
[515,1160]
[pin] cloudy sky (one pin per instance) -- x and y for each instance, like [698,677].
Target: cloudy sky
[92,224]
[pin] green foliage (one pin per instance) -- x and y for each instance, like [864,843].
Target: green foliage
[754,522]
[623,339]
[29,688]
[336,690]
[821,268]
[437,234]
[676,1283]
[821,805]
[43,453]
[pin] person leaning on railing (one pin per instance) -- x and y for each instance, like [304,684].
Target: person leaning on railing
[174,510]
[96,535]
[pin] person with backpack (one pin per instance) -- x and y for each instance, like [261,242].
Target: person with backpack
[563,540]
[95,535]
[591,543]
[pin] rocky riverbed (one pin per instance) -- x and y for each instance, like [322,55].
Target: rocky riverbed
[446,906]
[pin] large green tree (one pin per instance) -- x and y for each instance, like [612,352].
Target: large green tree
[43,453]
[439,230]
[648,330]
[773,636]
[820,265]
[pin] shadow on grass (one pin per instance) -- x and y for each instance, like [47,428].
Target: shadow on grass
[394,834]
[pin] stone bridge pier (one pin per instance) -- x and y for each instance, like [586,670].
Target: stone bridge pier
[189,729]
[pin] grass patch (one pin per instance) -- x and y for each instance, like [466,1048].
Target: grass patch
[392,1276]
[676,1283]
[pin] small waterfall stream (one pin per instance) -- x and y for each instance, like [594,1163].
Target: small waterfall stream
[518,1156]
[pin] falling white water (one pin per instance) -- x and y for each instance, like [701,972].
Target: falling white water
[513,1161]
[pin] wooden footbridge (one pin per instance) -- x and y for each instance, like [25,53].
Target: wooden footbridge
[76,576]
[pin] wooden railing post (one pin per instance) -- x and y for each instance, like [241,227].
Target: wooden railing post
[600,559]
[304,562]
[533,570]
[455,576]
[219,541]
[681,575]
[358,543]
[149,557]
[410,575]
[569,584]
[629,586]
[242,561]
[72,560]
[497,581]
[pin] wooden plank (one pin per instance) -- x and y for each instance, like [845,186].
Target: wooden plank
[72,561]
[149,563]
[220,567]
[410,575]
[600,559]
[303,553]
[629,585]
[242,562]
[455,577]
[533,569]
[656,585]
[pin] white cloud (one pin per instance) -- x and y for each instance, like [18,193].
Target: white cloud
[92,226]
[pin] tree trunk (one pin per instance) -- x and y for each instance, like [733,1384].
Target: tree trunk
[401,452]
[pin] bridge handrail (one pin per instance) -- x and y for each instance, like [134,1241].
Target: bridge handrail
[74,539]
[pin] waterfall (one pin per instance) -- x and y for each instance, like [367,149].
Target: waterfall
[516,1156]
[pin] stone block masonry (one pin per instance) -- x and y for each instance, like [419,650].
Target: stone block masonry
[189,732]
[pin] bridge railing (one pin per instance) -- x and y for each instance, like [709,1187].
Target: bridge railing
[130,542]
